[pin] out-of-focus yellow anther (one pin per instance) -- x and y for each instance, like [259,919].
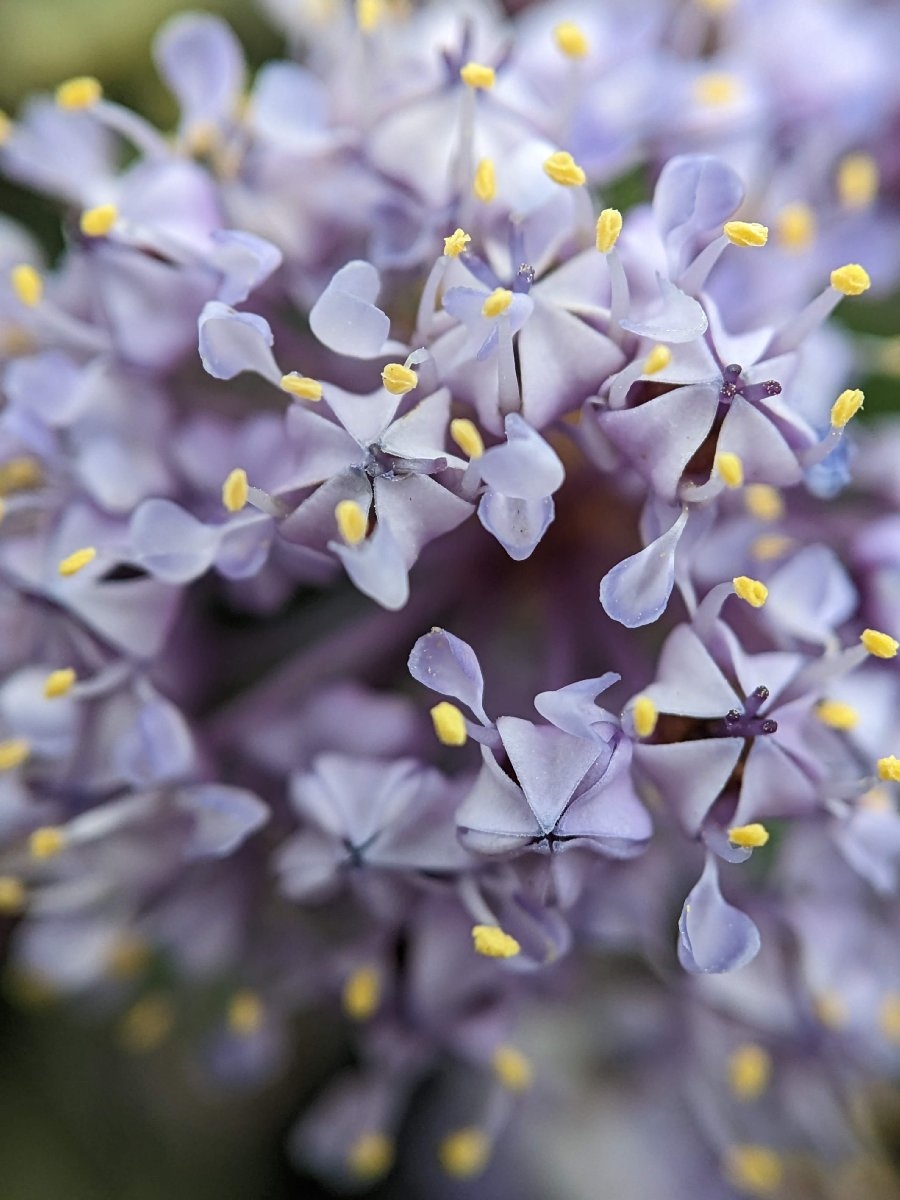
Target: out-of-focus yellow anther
[465,433]
[59,683]
[769,546]
[13,752]
[20,474]
[887,357]
[512,1068]
[301,386]
[369,14]
[763,502]
[752,591]
[6,127]
[564,170]
[571,40]
[846,407]
[609,226]
[645,716]
[755,1170]
[77,561]
[478,76]
[449,724]
[889,768]
[46,842]
[27,284]
[371,1156]
[128,957]
[857,180]
[731,469]
[837,715]
[746,233]
[12,895]
[352,522]
[876,799]
[831,1010]
[147,1024]
[889,1017]
[657,360]
[795,226]
[492,942]
[715,7]
[751,837]
[82,92]
[235,490]
[716,89]
[749,1071]
[497,303]
[456,243]
[881,645]
[464,1153]
[97,222]
[362,993]
[484,185]
[245,1013]
[850,280]
[399,379]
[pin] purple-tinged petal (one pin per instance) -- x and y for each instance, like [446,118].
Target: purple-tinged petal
[676,318]
[232,342]
[561,360]
[224,817]
[713,936]
[377,567]
[636,591]
[417,510]
[157,747]
[526,468]
[518,525]
[365,417]
[345,317]
[202,62]
[312,523]
[244,544]
[495,818]
[448,665]
[548,763]
[290,107]
[308,865]
[695,194]
[811,595]
[610,812]
[572,708]
[773,785]
[689,682]
[170,543]
[689,775]
[133,614]
[869,840]
[245,261]
[324,449]
[421,433]
[716,839]
[766,456]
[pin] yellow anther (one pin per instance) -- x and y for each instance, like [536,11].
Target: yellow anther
[837,715]
[399,379]
[97,222]
[750,590]
[245,1013]
[716,89]
[497,303]
[745,233]
[763,502]
[769,546]
[128,957]
[512,1068]
[59,683]
[6,128]
[563,169]
[20,475]
[12,895]
[46,842]
[657,360]
[371,1156]
[147,1024]
[749,1071]
[449,724]
[465,433]
[876,799]
[369,14]
[492,942]
[362,993]
[882,645]
[730,468]
[795,226]
[82,92]
[352,522]
[645,716]
[27,284]
[751,837]
[571,40]
[846,407]
[77,561]
[13,752]
[301,385]
[484,186]
[851,280]
[756,1170]
[889,1017]
[477,75]
[456,243]
[831,1009]
[464,1153]
[235,490]
[609,226]
[857,180]
[889,768]
[715,7]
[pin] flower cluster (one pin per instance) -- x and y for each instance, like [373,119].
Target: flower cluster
[517,330]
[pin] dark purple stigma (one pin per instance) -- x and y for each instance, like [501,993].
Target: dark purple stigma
[524,278]
[747,724]
[732,385]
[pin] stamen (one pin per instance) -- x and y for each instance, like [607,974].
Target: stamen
[846,407]
[749,1071]
[362,994]
[752,591]
[398,379]
[751,837]
[763,502]
[745,233]
[456,243]
[59,683]
[850,280]
[497,302]
[571,40]
[235,490]
[492,942]
[756,1170]
[889,769]
[369,14]
[449,724]
[730,468]
[645,715]
[82,92]
[857,180]
[147,1024]
[6,128]
[716,89]
[795,227]
[477,76]
[77,561]
[657,360]
[20,475]
[889,1017]
[466,435]
[46,842]
[564,170]
[97,222]
[301,385]
[609,226]
[484,186]
[352,522]
[245,1013]
[881,645]
[837,715]
[371,1156]
[512,1068]
[464,1153]
[12,895]
[27,284]
[13,752]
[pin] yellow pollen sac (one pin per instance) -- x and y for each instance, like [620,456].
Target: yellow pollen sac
[889,1017]
[449,724]
[882,645]
[369,14]
[492,942]
[850,280]
[857,180]
[763,502]
[484,186]
[512,1068]
[752,591]
[13,752]
[645,716]
[245,1013]
[464,1153]
[756,1170]
[352,522]
[846,407]
[81,92]
[745,233]
[362,994]
[301,385]
[715,7]
[716,89]
[657,360]
[497,303]
[77,561]
[399,379]
[371,1156]
[795,227]
[770,546]
[609,226]
[97,222]
[12,895]
[749,1071]
[59,683]
[27,284]
[465,433]
[235,490]
[456,243]
[564,170]
[46,842]
[751,837]
[20,475]
[837,715]
[147,1024]
[571,40]
[889,769]
[831,1009]
[6,128]
[477,75]
[730,468]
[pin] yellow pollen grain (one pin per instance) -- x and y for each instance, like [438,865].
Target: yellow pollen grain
[889,769]
[477,76]
[497,303]
[301,386]
[352,522]
[20,474]
[609,226]
[881,645]
[245,1013]
[464,1153]
[81,92]
[12,895]
[769,546]
[746,233]
[97,222]
[399,380]
[795,227]
[645,716]
[837,715]
[59,683]
[831,1010]
[449,724]
[456,243]
[512,1068]
[889,1017]
[369,14]
[484,185]
[492,942]
[235,490]
[362,994]
[657,360]
[465,433]
[46,842]
[730,468]
[13,752]
[850,280]
[857,180]
[752,591]
[847,405]
[147,1024]
[371,1156]
[27,285]
[716,89]
[755,1170]
[749,1071]
[562,168]
[571,40]
[751,837]
[763,502]
[77,561]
